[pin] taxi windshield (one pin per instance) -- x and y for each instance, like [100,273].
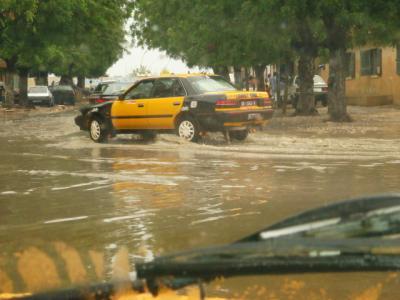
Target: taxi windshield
[206,84]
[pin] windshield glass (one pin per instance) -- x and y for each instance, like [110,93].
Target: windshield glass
[132,131]
[206,84]
[38,89]
[115,88]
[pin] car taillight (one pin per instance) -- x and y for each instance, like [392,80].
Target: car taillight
[226,103]
[265,101]
[100,100]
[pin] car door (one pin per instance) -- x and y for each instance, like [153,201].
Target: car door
[131,112]
[166,103]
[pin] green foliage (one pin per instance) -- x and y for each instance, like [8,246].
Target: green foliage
[207,33]
[249,32]
[141,71]
[74,37]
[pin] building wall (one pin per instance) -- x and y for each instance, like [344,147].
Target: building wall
[370,90]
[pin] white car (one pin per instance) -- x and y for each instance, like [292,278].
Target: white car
[320,91]
[40,95]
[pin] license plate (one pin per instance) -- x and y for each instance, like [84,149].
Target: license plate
[254,116]
[249,103]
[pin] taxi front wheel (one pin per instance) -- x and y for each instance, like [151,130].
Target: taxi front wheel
[98,130]
[188,129]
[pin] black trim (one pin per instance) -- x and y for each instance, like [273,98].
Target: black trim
[143,117]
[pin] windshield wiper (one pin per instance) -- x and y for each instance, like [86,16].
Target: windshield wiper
[354,235]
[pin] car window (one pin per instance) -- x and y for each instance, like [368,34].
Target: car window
[38,89]
[206,84]
[141,91]
[116,88]
[168,87]
[101,87]
[62,88]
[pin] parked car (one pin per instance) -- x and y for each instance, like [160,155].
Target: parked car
[41,95]
[320,91]
[108,91]
[186,104]
[63,94]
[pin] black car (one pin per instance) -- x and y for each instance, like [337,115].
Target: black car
[108,91]
[63,94]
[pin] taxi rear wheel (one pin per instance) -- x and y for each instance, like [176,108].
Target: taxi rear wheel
[239,135]
[98,130]
[188,129]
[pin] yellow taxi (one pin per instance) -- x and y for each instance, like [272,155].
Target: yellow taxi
[189,105]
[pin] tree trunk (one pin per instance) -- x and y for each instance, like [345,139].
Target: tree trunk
[306,103]
[286,92]
[81,81]
[9,87]
[42,78]
[237,73]
[222,71]
[337,106]
[66,80]
[23,86]
[260,69]
[246,79]
[278,86]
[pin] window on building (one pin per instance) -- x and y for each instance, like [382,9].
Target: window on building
[350,64]
[398,59]
[371,62]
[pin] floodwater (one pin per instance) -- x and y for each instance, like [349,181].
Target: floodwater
[68,204]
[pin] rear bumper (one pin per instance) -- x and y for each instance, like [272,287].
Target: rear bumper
[234,119]
[40,100]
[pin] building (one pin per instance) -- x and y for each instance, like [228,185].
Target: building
[373,76]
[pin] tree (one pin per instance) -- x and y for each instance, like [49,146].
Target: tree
[98,44]
[142,70]
[206,33]
[253,33]
[65,37]
[347,25]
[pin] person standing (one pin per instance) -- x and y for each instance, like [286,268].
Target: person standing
[272,85]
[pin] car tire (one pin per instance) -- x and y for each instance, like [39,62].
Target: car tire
[188,129]
[98,130]
[239,135]
[148,135]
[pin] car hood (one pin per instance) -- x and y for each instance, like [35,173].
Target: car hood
[88,107]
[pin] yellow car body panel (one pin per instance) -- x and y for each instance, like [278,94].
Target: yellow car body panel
[163,111]
[130,114]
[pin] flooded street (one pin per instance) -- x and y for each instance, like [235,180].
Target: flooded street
[59,190]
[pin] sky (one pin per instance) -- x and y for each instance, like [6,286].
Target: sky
[154,60]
